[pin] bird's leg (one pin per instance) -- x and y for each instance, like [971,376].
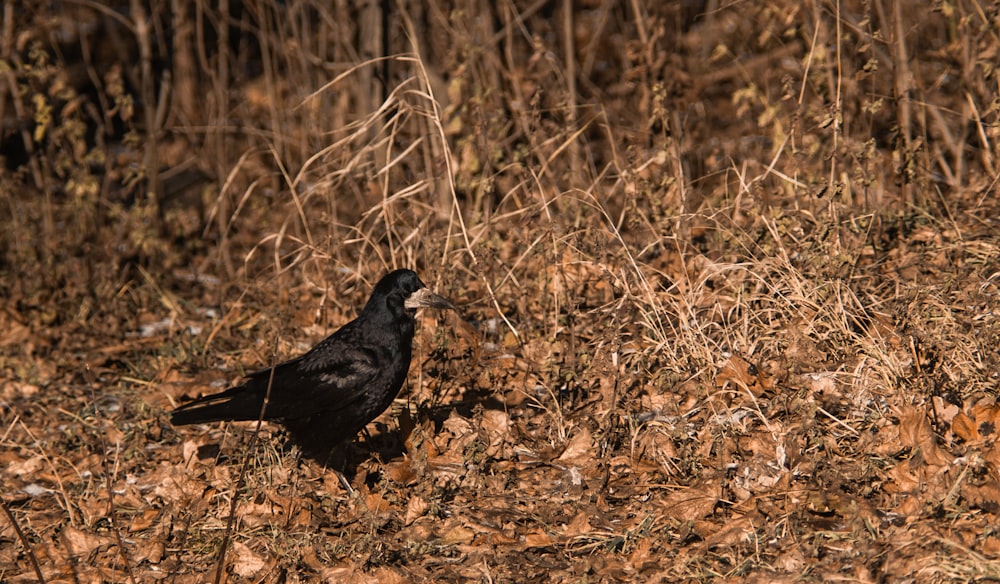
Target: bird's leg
[368,440]
[336,460]
[344,482]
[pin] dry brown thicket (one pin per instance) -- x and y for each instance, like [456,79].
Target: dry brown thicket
[728,278]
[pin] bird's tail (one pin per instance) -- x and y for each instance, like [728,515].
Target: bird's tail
[235,404]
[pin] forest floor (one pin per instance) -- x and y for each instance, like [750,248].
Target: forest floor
[728,304]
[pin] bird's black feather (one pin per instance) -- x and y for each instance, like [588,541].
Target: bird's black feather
[330,393]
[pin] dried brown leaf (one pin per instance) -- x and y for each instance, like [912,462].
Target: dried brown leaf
[82,543]
[985,496]
[496,427]
[732,533]
[245,561]
[458,535]
[991,454]
[915,432]
[739,371]
[964,427]
[14,330]
[416,508]
[144,520]
[902,479]
[580,525]
[376,503]
[578,451]
[735,370]
[151,551]
[695,502]
[537,539]
[400,471]
[987,417]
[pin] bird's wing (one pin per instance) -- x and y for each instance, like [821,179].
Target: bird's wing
[323,380]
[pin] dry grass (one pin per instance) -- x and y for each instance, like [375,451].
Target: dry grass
[728,283]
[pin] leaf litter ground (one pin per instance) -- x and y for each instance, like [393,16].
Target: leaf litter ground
[783,367]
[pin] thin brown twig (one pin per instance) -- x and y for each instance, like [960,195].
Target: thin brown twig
[24,541]
[569,56]
[142,27]
[112,516]
[456,207]
[241,482]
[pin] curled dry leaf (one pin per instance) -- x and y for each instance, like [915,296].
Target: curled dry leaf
[737,370]
[416,508]
[496,427]
[246,562]
[915,432]
[578,450]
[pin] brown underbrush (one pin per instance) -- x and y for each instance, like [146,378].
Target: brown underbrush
[727,277]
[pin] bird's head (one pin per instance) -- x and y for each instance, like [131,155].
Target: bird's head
[402,290]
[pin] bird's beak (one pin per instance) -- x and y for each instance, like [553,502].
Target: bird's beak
[424,298]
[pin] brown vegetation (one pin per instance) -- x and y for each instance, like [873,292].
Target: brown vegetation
[727,277]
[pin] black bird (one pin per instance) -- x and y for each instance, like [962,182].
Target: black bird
[329,394]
